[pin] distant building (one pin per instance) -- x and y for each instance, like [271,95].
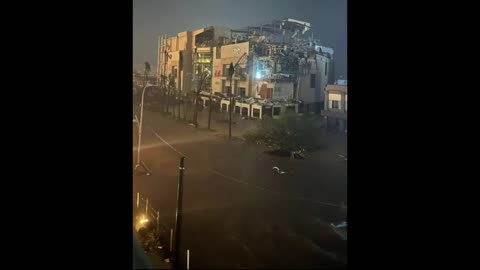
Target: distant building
[279,64]
[335,108]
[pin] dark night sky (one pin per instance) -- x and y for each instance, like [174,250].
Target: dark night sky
[152,18]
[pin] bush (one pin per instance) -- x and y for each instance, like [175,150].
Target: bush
[290,133]
[149,237]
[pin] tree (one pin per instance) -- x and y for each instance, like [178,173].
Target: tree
[290,133]
[203,77]
[231,70]
[150,237]
[170,89]
[145,73]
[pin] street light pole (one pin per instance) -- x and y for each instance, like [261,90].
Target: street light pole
[140,127]
[178,218]
[231,71]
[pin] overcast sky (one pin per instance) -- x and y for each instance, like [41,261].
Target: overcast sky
[152,18]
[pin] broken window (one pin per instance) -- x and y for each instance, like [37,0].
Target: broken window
[204,39]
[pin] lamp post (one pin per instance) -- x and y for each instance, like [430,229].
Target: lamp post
[140,126]
[231,70]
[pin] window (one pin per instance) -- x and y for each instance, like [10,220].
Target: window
[225,70]
[325,68]
[312,80]
[204,58]
[256,113]
[242,91]
[335,104]
[174,72]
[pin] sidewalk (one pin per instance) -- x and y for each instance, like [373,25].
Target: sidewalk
[219,126]
[218,123]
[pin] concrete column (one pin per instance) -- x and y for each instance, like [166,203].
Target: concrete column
[341,126]
[325,106]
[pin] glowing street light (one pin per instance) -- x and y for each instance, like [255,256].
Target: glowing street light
[142,222]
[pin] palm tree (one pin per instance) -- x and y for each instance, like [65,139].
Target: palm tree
[146,72]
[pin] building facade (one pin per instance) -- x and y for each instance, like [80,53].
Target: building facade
[276,63]
[336,106]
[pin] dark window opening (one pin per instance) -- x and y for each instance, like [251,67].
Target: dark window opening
[244,111]
[334,104]
[242,91]
[256,113]
[276,111]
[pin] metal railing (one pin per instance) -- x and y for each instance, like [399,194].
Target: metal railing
[142,205]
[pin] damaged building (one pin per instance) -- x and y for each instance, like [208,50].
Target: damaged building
[279,66]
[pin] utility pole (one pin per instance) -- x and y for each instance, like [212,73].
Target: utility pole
[231,70]
[178,219]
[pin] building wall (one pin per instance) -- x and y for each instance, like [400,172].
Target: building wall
[336,93]
[176,46]
[336,117]
[334,97]
[184,43]
[283,90]
[322,69]
[230,54]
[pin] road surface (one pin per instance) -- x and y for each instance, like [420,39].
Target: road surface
[238,213]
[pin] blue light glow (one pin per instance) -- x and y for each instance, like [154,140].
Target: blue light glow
[258,75]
